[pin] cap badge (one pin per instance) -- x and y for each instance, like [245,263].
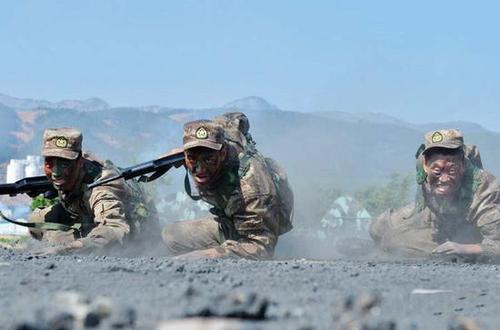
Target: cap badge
[437,137]
[62,142]
[201,133]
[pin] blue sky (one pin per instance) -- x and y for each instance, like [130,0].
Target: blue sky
[420,61]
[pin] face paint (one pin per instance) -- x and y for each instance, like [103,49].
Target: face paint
[205,165]
[63,173]
[444,174]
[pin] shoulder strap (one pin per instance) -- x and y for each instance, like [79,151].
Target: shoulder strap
[187,187]
[244,159]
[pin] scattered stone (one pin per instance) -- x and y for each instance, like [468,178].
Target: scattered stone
[123,318]
[92,320]
[360,313]
[208,324]
[113,269]
[464,323]
[233,305]
[102,307]
[70,310]
[429,291]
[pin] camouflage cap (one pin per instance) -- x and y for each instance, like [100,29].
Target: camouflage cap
[62,142]
[444,138]
[203,133]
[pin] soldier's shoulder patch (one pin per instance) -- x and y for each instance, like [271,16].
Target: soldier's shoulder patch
[437,137]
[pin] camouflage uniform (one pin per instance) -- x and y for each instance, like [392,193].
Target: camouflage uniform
[249,213]
[112,213]
[473,217]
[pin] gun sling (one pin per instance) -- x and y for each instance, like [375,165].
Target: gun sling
[43,225]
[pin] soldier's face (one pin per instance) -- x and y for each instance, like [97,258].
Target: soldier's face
[205,164]
[444,174]
[63,173]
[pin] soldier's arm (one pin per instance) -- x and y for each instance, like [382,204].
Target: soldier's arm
[109,216]
[488,224]
[256,223]
[378,226]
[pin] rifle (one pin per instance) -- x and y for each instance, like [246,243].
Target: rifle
[33,186]
[158,167]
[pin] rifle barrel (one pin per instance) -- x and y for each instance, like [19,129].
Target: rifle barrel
[36,184]
[143,168]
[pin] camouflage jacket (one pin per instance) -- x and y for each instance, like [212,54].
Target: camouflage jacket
[111,212]
[251,211]
[472,218]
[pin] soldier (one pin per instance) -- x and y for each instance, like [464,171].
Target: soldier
[104,216]
[252,201]
[457,209]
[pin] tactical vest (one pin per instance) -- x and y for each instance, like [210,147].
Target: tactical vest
[139,210]
[242,146]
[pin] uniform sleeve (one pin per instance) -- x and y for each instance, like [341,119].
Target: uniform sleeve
[255,224]
[488,223]
[379,226]
[109,217]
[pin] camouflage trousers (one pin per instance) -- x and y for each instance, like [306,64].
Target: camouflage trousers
[186,236]
[56,214]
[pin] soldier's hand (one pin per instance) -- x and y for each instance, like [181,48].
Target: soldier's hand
[200,254]
[458,249]
[58,249]
[49,250]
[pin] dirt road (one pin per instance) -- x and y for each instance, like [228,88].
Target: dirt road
[302,294]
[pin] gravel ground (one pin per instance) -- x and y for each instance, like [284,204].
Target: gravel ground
[302,294]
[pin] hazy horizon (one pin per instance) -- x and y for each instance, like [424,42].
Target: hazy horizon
[419,62]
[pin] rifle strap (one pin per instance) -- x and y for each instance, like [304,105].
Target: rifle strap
[187,187]
[42,225]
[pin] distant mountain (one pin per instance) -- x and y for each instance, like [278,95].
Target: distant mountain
[91,104]
[320,151]
[372,117]
[253,103]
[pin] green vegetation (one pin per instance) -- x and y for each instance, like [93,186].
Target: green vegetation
[395,194]
[40,202]
[13,241]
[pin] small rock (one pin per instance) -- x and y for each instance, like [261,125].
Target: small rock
[233,305]
[207,324]
[102,307]
[123,317]
[463,323]
[113,269]
[360,312]
[92,320]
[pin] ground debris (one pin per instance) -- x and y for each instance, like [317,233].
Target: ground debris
[242,305]
[360,313]
[70,310]
[464,323]
[199,323]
